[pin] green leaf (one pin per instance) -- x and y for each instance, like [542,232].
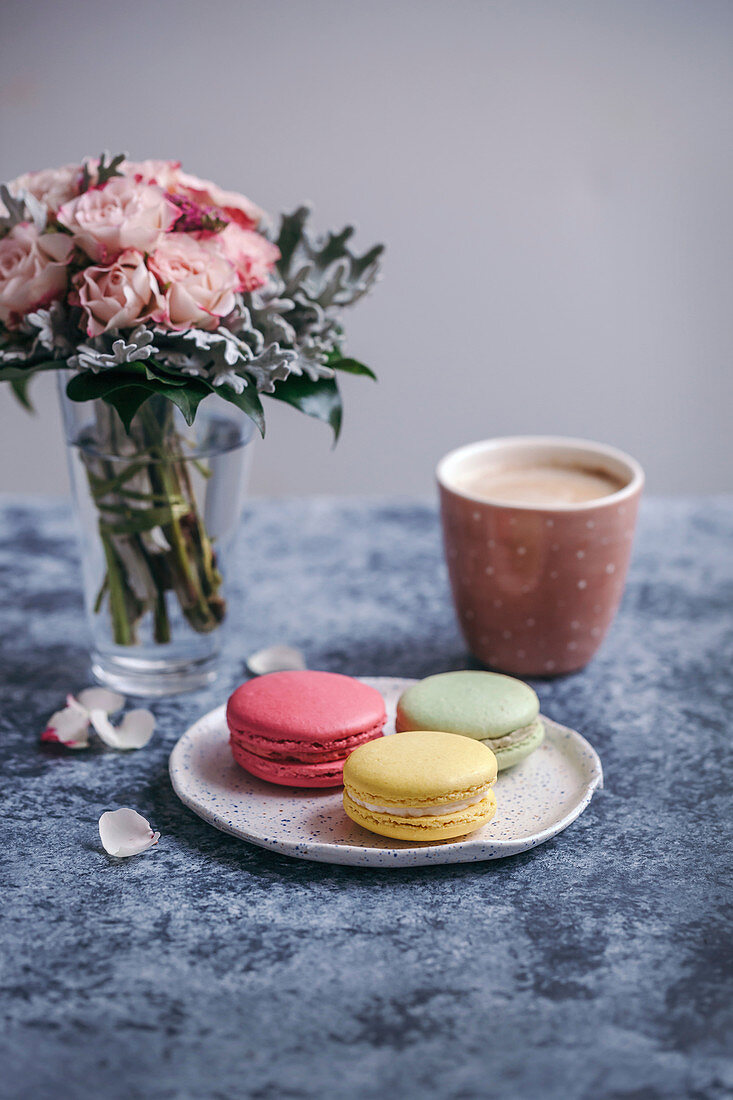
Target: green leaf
[19,377]
[248,401]
[352,366]
[127,389]
[187,398]
[10,372]
[320,399]
[126,400]
[19,387]
[155,369]
[88,386]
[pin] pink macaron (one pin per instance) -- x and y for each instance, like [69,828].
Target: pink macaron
[297,728]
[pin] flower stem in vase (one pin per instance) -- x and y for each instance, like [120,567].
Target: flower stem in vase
[153,537]
[191,552]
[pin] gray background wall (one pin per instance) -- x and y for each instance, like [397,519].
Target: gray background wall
[553,180]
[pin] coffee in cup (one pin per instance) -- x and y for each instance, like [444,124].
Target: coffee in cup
[538,534]
[540,484]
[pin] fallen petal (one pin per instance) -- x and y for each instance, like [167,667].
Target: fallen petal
[275,658]
[133,732]
[125,832]
[104,728]
[73,704]
[101,699]
[68,727]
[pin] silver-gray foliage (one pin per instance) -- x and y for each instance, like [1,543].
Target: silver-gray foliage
[105,351]
[225,357]
[21,207]
[292,324]
[43,334]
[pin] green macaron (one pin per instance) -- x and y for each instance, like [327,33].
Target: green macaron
[498,710]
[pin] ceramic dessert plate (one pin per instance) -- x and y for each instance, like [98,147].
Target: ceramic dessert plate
[536,800]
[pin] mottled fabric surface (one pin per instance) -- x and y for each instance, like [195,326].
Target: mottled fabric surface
[597,965]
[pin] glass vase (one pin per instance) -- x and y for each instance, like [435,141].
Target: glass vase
[158,511]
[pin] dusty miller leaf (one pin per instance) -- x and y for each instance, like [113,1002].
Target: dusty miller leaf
[104,171]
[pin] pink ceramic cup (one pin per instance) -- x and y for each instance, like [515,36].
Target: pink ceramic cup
[536,588]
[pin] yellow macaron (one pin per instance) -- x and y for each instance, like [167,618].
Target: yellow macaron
[421,785]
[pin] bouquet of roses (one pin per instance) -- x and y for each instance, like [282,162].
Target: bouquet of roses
[157,289]
[141,277]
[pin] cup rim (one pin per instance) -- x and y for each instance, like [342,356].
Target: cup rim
[605,450]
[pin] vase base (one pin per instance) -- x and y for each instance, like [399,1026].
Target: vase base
[151,678]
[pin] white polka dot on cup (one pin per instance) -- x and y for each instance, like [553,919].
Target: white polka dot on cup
[582,584]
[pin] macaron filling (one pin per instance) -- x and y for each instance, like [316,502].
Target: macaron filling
[284,751]
[510,739]
[436,810]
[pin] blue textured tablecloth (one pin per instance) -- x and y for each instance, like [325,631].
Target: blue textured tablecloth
[595,966]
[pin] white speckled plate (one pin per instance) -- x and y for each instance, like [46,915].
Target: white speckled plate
[536,799]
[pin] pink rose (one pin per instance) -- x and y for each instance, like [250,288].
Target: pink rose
[51,186]
[198,281]
[33,270]
[120,215]
[119,296]
[168,175]
[206,193]
[252,255]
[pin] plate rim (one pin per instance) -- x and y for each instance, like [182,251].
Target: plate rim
[468,850]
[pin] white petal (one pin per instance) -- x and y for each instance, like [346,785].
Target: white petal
[69,727]
[125,832]
[104,728]
[101,699]
[74,704]
[136,729]
[133,732]
[276,658]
